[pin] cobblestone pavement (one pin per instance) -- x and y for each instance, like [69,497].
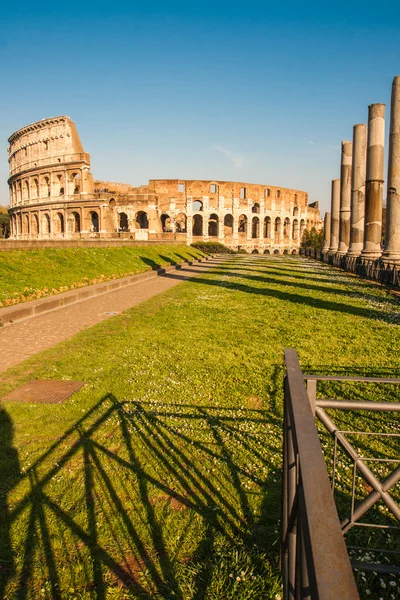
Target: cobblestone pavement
[26,338]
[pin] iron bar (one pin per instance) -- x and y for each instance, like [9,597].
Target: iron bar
[359,405]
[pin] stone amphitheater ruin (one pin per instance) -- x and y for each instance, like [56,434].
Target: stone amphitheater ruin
[53,196]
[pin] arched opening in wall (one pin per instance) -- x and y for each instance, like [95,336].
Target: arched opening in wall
[19,223]
[213,225]
[302,226]
[36,188]
[197,206]
[111,204]
[286,228]
[255,251]
[255,208]
[60,191]
[267,227]
[180,223]
[228,225]
[94,221]
[76,222]
[35,225]
[142,220]
[242,226]
[277,230]
[59,223]
[46,224]
[308,225]
[294,251]
[47,183]
[26,225]
[198,225]
[26,185]
[19,192]
[295,211]
[267,252]
[14,225]
[295,229]
[123,222]
[255,228]
[166,223]
[276,251]
[76,183]
[286,251]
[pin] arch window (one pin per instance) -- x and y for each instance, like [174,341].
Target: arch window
[180,223]
[267,227]
[123,222]
[76,222]
[35,225]
[198,225]
[142,220]
[255,227]
[295,211]
[242,226]
[166,223]
[46,224]
[255,208]
[213,225]
[302,226]
[59,223]
[197,206]
[295,229]
[94,221]
[286,227]
[228,225]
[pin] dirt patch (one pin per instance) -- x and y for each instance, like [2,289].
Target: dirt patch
[254,403]
[44,392]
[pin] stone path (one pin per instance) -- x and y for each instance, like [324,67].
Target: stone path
[26,338]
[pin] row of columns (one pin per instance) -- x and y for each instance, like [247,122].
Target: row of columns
[354,226]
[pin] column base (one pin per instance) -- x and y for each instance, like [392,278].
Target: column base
[370,255]
[390,258]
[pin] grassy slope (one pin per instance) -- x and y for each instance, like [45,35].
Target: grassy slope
[167,485]
[30,274]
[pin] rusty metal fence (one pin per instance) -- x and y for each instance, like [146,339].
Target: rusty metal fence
[314,559]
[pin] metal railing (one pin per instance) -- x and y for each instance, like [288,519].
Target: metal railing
[376,270]
[314,558]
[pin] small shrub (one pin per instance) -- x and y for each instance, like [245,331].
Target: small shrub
[212,248]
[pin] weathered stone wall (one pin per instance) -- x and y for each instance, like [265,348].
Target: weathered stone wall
[53,196]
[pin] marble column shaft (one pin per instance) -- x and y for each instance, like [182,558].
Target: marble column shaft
[335,207]
[374,182]
[392,237]
[359,169]
[327,232]
[345,197]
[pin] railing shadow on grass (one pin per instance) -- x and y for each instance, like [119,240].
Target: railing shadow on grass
[96,509]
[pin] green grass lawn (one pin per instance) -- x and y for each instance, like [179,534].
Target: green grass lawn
[31,274]
[161,477]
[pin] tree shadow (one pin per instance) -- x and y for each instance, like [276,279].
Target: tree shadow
[105,505]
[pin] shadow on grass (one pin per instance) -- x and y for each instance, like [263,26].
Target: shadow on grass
[287,296]
[115,502]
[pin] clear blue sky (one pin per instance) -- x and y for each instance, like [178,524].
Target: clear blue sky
[256,92]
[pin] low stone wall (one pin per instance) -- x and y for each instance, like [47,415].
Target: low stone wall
[82,243]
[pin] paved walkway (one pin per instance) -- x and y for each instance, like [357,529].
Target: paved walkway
[22,340]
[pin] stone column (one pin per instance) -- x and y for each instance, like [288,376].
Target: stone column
[327,232]
[335,207]
[374,182]
[358,189]
[345,197]
[392,236]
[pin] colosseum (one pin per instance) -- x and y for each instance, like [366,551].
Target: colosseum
[53,196]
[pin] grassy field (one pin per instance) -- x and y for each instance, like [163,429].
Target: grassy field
[161,477]
[31,274]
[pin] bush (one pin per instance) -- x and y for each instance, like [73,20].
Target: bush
[312,239]
[212,248]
